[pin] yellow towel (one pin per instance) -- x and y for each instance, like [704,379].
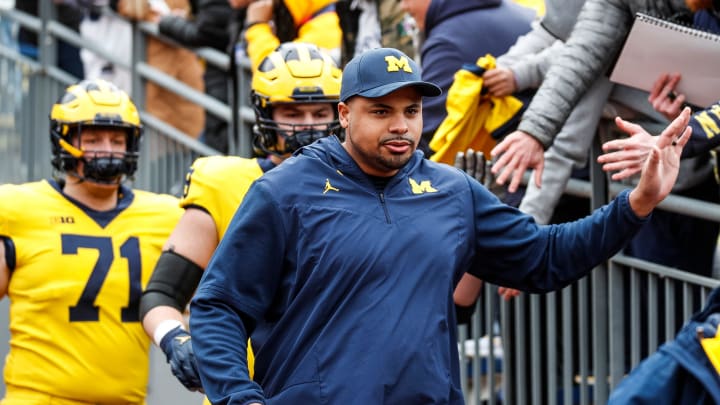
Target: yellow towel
[472,117]
[712,350]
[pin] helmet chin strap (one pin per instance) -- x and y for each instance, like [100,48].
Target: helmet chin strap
[302,138]
[266,135]
[83,179]
[104,170]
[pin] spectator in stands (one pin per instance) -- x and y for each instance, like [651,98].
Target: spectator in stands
[75,254]
[113,34]
[369,24]
[295,94]
[68,13]
[523,67]
[623,155]
[589,50]
[271,22]
[236,25]
[591,47]
[458,32]
[705,123]
[347,288]
[663,240]
[208,26]
[179,63]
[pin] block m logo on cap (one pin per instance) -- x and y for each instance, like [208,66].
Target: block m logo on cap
[394,64]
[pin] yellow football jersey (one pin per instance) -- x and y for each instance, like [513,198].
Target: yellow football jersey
[75,288]
[218,185]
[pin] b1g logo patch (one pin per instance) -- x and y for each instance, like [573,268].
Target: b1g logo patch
[62,220]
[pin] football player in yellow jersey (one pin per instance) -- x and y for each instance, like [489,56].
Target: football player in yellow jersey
[75,255]
[295,93]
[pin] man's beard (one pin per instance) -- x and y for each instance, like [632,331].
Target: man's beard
[390,162]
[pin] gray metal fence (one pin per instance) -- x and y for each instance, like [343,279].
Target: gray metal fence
[568,347]
[32,86]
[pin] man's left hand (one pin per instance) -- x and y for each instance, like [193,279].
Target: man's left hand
[661,167]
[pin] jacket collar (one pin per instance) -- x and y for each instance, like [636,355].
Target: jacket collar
[333,153]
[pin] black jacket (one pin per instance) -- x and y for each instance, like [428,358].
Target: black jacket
[209,27]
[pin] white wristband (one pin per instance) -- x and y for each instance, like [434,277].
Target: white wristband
[164,327]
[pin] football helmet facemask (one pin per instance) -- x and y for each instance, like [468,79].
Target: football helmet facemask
[292,74]
[94,103]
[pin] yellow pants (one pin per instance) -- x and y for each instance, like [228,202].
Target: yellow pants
[23,396]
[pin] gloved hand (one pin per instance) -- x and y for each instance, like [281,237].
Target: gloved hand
[177,346]
[476,166]
[473,163]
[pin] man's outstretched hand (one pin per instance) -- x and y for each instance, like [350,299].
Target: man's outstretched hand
[661,167]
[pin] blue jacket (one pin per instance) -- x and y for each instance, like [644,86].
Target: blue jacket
[705,124]
[705,136]
[678,373]
[461,31]
[348,290]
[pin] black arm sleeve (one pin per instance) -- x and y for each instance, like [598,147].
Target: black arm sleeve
[172,283]
[9,252]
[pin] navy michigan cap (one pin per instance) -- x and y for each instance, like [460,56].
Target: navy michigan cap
[378,72]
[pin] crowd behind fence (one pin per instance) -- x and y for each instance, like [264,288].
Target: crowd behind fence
[567,347]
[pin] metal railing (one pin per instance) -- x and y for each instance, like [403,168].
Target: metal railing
[166,153]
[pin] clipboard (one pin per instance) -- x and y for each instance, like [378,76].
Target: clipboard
[655,46]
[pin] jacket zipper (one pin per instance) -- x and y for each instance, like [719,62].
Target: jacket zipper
[382,202]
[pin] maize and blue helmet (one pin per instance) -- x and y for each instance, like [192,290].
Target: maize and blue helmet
[94,103]
[294,73]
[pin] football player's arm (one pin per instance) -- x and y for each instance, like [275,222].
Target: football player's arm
[259,35]
[322,30]
[172,284]
[4,269]
[192,242]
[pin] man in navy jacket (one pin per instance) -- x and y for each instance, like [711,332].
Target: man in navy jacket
[341,263]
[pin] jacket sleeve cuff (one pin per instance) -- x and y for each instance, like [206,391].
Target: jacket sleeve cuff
[624,201]
[531,130]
